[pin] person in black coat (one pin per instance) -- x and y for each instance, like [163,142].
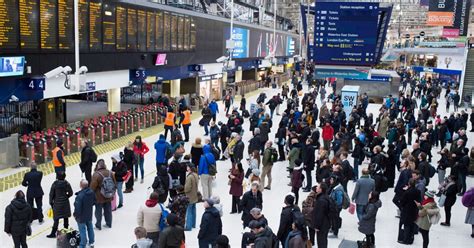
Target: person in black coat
[59,196]
[308,162]
[211,225]
[286,219]
[86,160]
[162,181]
[34,193]
[280,136]
[320,214]
[254,142]
[129,159]
[239,150]
[409,213]
[251,199]
[18,216]
[450,191]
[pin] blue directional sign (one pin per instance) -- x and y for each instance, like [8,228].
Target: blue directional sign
[345,33]
[35,83]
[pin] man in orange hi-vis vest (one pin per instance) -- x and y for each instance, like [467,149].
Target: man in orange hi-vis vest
[58,157]
[170,120]
[186,122]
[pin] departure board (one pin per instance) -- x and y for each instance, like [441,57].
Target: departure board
[95,26]
[192,42]
[8,25]
[29,35]
[159,31]
[108,28]
[66,24]
[150,28]
[180,33]
[174,33]
[187,25]
[83,25]
[132,29]
[166,31]
[141,45]
[121,23]
[48,25]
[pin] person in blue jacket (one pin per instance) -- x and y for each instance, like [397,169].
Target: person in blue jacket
[214,109]
[337,195]
[163,151]
[85,200]
[207,158]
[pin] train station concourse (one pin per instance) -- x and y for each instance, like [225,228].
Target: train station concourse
[236,123]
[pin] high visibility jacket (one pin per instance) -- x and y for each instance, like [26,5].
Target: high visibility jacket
[56,162]
[169,120]
[187,117]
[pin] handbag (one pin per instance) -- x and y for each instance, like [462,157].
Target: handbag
[50,213]
[175,183]
[127,176]
[442,200]
[248,172]
[352,208]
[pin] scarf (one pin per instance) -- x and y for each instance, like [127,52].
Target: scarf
[426,201]
[151,203]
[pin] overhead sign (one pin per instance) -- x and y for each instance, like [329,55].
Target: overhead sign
[210,77]
[37,83]
[341,73]
[440,13]
[450,32]
[137,76]
[345,33]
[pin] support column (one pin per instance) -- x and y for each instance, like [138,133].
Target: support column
[175,86]
[113,100]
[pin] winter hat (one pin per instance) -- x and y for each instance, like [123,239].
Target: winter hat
[172,219]
[209,201]
[430,194]
[116,157]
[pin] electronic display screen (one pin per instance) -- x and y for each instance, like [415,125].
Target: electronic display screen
[12,66]
[150,28]
[166,31]
[131,29]
[29,35]
[95,26]
[174,33]
[66,24]
[159,31]
[8,25]
[121,22]
[141,45]
[83,25]
[108,28]
[48,24]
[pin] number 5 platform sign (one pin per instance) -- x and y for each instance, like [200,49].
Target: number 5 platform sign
[350,93]
[137,76]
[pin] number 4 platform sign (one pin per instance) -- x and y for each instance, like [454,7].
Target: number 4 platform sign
[36,84]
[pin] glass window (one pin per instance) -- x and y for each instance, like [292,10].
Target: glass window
[174,34]
[159,31]
[192,44]
[180,33]
[166,31]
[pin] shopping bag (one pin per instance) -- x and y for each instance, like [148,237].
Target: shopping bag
[127,176]
[114,203]
[352,208]
[50,213]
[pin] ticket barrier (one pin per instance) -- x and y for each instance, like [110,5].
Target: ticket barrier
[75,139]
[131,123]
[40,148]
[141,119]
[63,135]
[148,117]
[90,128]
[51,139]
[115,120]
[154,115]
[27,150]
[107,127]
[99,131]
[136,122]
[124,127]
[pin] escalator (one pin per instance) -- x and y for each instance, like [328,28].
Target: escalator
[468,86]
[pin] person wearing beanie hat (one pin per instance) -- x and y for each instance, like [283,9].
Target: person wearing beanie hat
[286,218]
[428,214]
[211,225]
[58,157]
[173,235]
[222,242]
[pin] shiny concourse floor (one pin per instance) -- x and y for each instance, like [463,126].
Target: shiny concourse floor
[124,219]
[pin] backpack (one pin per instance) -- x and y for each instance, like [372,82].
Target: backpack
[93,155]
[468,199]
[432,171]
[346,201]
[164,215]
[212,169]
[108,187]
[216,152]
[245,113]
[274,155]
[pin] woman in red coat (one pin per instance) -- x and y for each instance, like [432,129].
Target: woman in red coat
[140,149]
[328,135]
[235,180]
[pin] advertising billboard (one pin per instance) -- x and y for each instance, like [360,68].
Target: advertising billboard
[441,13]
[290,46]
[240,36]
[262,44]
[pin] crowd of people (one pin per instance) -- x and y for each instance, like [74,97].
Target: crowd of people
[391,151]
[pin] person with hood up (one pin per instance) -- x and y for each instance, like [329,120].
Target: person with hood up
[173,235]
[263,234]
[18,217]
[205,161]
[428,214]
[161,184]
[149,216]
[163,151]
[59,196]
[211,225]
[120,170]
[83,204]
[286,218]
[368,218]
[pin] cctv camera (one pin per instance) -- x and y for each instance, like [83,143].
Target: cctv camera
[82,70]
[221,59]
[55,72]
[67,70]
[14,98]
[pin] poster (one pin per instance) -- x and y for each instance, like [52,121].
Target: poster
[349,98]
